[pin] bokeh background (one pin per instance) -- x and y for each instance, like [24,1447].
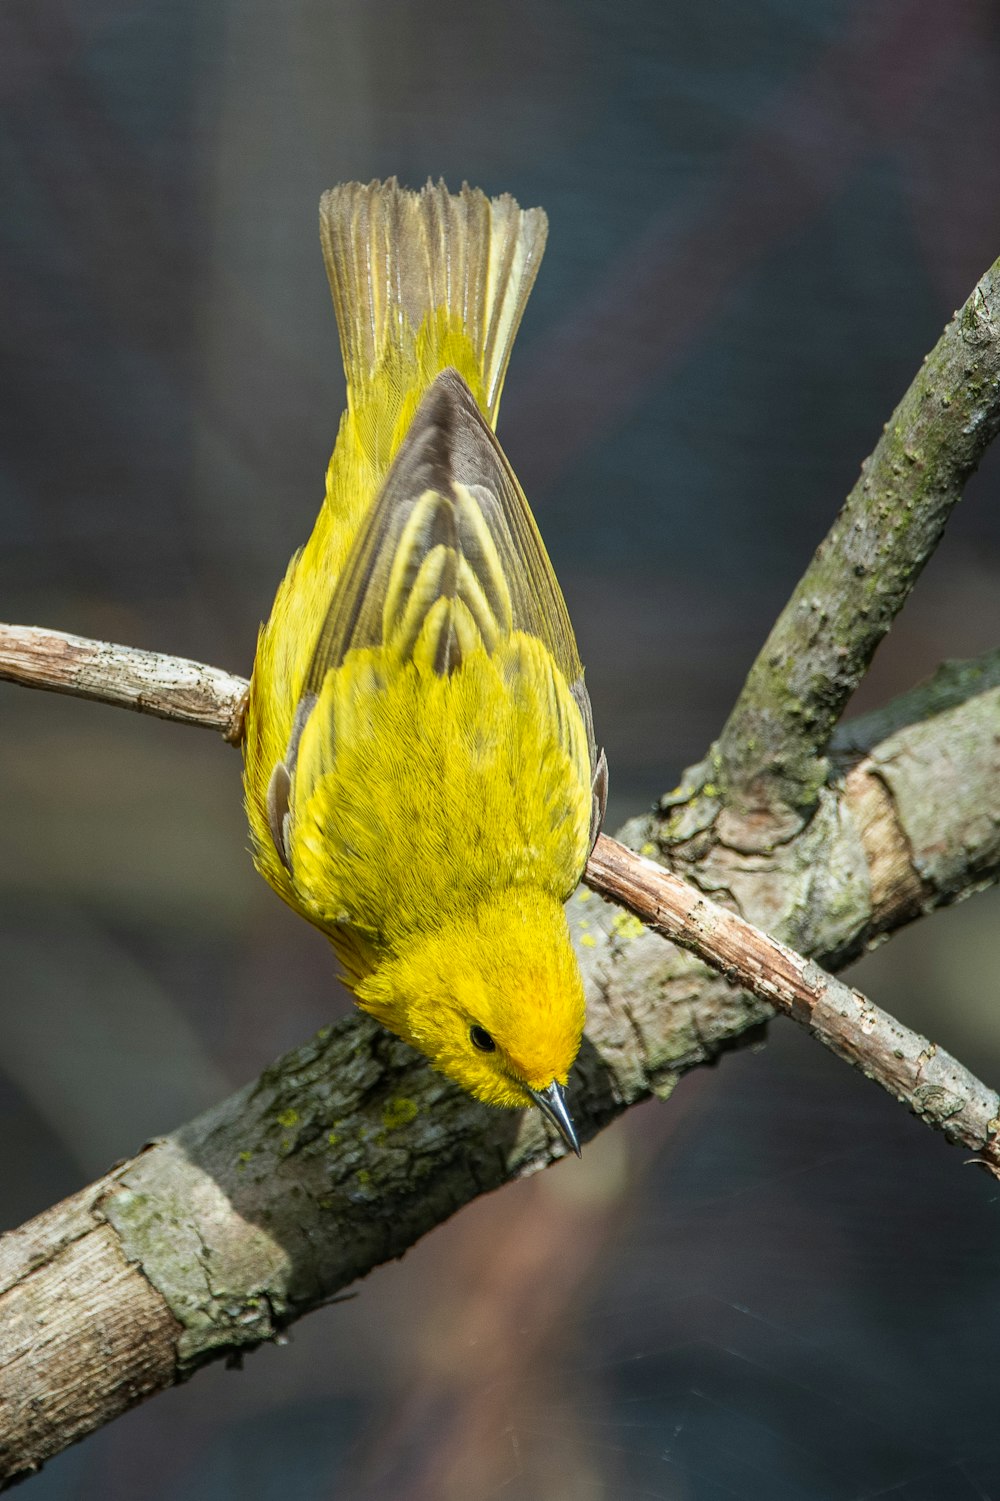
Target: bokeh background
[778,1286]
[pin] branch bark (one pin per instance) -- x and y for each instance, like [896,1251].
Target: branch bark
[771,755]
[916,1072]
[347,1150]
[146,681]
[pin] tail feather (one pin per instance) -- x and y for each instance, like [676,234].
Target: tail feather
[400,262]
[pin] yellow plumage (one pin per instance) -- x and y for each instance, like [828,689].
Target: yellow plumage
[420,770]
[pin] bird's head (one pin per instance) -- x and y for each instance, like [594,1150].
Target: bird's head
[493,998]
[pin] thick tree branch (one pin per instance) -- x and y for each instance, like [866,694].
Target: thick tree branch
[951,685]
[770,757]
[347,1150]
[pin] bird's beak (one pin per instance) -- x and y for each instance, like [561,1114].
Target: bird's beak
[552,1102]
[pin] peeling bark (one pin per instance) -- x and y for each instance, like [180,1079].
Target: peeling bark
[83,1333]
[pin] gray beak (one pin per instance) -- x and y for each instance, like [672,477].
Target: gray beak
[552,1102]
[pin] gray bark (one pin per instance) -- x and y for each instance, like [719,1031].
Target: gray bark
[348,1149]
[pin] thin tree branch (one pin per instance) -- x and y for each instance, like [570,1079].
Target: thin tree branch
[146,681]
[915,1071]
[347,1150]
[770,756]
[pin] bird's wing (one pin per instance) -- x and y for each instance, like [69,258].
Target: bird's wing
[448,561]
[450,528]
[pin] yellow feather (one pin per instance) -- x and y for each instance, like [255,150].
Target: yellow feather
[419,757]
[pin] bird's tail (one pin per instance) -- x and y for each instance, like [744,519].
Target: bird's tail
[424,280]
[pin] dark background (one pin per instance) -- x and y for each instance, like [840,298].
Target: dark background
[778,1286]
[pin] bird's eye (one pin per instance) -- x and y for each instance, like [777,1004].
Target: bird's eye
[481,1039]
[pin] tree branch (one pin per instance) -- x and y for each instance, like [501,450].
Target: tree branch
[951,685]
[348,1149]
[190,692]
[770,756]
[146,681]
[916,1072]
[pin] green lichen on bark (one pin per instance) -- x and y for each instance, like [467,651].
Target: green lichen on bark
[339,1157]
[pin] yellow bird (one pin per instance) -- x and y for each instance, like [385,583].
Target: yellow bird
[421,776]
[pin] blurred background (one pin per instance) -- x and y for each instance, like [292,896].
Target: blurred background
[778,1285]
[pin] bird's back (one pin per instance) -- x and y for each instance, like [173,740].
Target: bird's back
[421,282]
[421,775]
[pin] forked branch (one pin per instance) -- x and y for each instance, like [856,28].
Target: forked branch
[346,1151]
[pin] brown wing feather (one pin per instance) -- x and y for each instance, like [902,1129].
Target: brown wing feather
[450,490]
